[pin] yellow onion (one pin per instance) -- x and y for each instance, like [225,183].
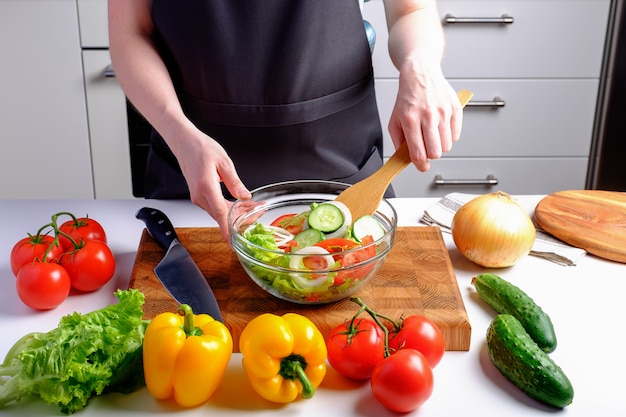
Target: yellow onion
[493,230]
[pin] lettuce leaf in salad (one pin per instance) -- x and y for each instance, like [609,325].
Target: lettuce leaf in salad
[263,236]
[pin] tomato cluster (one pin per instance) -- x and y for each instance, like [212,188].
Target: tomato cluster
[58,258]
[398,358]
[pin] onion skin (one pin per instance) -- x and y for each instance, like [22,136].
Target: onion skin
[493,230]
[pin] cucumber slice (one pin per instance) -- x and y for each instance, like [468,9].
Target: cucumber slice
[343,231]
[367,225]
[326,218]
[308,237]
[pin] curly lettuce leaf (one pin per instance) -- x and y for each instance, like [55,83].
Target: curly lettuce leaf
[78,359]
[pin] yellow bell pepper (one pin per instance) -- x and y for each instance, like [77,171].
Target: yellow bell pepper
[185,356]
[283,356]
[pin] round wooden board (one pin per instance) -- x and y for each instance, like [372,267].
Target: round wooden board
[593,220]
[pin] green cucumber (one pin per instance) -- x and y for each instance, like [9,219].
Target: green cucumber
[308,237]
[326,218]
[367,226]
[516,355]
[505,297]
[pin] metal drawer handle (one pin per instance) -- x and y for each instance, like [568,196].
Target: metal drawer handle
[489,181]
[505,19]
[109,72]
[496,102]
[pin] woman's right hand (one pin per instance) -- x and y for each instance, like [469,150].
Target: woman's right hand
[205,164]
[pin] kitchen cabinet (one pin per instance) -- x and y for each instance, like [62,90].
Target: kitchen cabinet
[535,76]
[106,105]
[108,131]
[43,120]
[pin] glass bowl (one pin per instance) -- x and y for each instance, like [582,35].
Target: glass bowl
[288,275]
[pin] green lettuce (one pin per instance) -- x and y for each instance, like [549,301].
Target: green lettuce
[283,283]
[86,355]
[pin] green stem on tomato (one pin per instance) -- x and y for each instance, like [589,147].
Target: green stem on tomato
[67,213]
[58,232]
[37,238]
[376,317]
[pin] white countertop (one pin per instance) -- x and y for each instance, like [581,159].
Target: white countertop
[585,302]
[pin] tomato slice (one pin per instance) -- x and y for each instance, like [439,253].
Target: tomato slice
[290,223]
[315,262]
[361,255]
[289,246]
[337,244]
[355,257]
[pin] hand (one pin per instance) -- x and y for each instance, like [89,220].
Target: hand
[205,164]
[427,115]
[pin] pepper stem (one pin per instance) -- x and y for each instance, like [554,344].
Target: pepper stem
[292,367]
[189,325]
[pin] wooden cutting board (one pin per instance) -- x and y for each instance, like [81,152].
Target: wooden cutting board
[593,220]
[417,278]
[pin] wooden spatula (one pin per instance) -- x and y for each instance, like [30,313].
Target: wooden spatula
[364,197]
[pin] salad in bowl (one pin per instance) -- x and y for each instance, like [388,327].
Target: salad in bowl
[299,244]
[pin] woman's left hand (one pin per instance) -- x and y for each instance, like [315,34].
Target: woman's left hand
[427,115]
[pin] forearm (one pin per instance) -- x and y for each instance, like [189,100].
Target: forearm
[427,113]
[415,35]
[142,73]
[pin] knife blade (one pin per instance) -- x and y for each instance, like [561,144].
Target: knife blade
[177,271]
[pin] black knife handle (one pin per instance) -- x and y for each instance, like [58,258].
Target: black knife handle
[158,225]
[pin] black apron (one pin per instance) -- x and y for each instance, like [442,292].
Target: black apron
[285,86]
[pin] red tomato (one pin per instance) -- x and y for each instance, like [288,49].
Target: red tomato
[42,285]
[89,267]
[354,350]
[83,228]
[420,333]
[33,248]
[290,223]
[403,381]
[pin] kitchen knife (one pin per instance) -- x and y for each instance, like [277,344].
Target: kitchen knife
[177,271]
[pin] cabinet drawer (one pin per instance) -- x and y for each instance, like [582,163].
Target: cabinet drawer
[94,30]
[513,175]
[108,128]
[547,38]
[534,117]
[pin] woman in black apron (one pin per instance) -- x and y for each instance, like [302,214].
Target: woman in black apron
[285,87]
